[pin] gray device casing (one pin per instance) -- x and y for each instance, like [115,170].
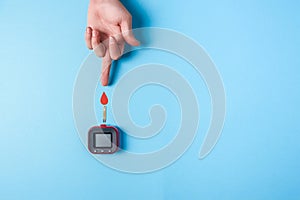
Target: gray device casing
[103,129]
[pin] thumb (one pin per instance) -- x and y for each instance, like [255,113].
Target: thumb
[127,34]
[106,64]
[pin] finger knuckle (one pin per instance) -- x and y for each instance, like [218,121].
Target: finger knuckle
[128,17]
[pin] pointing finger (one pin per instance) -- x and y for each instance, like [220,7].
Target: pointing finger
[106,64]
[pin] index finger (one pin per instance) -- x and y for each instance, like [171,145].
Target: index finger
[106,65]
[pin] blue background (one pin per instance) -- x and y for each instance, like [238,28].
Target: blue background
[255,45]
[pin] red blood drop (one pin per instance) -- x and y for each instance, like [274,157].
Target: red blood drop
[104,99]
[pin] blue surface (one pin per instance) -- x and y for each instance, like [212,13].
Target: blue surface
[255,45]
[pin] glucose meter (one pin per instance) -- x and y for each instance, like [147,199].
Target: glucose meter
[103,139]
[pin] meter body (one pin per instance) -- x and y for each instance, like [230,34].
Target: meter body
[103,139]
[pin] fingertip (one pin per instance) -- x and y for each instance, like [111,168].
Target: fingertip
[100,50]
[114,50]
[130,39]
[135,42]
[104,81]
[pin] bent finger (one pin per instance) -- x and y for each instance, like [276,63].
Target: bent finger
[120,41]
[100,50]
[98,47]
[114,49]
[95,38]
[88,37]
[127,33]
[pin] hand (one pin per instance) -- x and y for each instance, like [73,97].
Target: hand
[109,25]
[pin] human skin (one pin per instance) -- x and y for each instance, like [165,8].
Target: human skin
[109,26]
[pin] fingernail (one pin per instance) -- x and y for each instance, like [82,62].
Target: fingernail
[88,30]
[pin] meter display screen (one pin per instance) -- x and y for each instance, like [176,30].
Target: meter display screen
[103,140]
